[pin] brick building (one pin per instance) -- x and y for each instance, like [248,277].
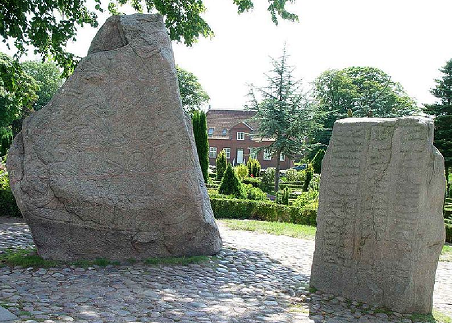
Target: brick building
[232,131]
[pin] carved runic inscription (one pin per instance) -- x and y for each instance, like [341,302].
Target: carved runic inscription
[380,225]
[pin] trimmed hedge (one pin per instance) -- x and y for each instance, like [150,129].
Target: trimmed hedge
[261,210]
[448,230]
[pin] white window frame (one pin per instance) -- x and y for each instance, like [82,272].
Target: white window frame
[225,132]
[282,157]
[209,132]
[227,152]
[240,135]
[267,155]
[253,152]
[212,152]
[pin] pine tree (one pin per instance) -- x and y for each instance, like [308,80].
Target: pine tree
[230,184]
[202,144]
[221,163]
[442,109]
[283,112]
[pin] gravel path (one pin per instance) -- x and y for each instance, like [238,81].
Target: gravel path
[255,278]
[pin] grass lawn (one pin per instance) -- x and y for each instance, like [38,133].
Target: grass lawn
[276,228]
[446,254]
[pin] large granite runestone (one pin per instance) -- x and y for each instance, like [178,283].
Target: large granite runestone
[109,167]
[380,226]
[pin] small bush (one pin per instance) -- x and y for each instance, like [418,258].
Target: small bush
[268,179]
[221,164]
[448,223]
[230,184]
[291,175]
[314,184]
[254,193]
[283,196]
[309,171]
[241,171]
[262,210]
[306,198]
[317,161]
[8,206]
[252,180]
[254,167]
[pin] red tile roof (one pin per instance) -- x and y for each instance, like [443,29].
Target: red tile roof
[226,119]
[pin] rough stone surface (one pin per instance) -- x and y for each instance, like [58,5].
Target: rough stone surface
[109,168]
[380,224]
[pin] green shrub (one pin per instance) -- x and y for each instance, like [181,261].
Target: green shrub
[282,197]
[252,180]
[268,179]
[254,193]
[254,167]
[241,171]
[291,175]
[8,206]
[202,144]
[314,184]
[262,210]
[230,184]
[317,161]
[309,171]
[306,198]
[448,223]
[221,164]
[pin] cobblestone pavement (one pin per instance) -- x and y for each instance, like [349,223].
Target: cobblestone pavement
[255,278]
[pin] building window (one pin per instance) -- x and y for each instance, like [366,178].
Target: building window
[253,153]
[225,132]
[240,136]
[213,152]
[282,157]
[210,132]
[227,151]
[267,155]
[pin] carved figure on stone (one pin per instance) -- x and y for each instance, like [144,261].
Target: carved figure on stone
[380,226]
[108,168]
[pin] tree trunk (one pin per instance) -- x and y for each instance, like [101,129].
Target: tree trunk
[278,166]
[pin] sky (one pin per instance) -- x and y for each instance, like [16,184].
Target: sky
[408,39]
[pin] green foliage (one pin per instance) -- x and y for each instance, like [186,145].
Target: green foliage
[191,92]
[314,184]
[48,78]
[442,109]
[254,167]
[282,197]
[221,163]
[8,206]
[47,26]
[254,193]
[291,175]
[261,210]
[358,92]
[202,144]
[299,231]
[317,161]
[230,184]
[283,112]
[268,179]
[309,171]
[17,96]
[306,198]
[241,171]
[256,182]
[448,223]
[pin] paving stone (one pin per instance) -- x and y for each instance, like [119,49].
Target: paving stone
[196,293]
